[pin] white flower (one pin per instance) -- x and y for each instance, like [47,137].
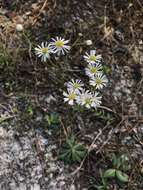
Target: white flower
[96,100]
[43,51]
[75,85]
[89,100]
[92,57]
[93,69]
[99,81]
[88,42]
[59,45]
[85,99]
[70,96]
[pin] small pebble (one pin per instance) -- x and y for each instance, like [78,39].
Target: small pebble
[19,27]
[88,42]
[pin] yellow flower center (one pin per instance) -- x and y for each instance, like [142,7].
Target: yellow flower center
[76,85]
[59,44]
[93,70]
[87,101]
[72,96]
[92,58]
[44,50]
[98,81]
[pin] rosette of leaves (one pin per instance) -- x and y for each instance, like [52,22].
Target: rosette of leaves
[72,151]
[51,120]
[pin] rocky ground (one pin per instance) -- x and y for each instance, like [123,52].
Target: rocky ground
[30,90]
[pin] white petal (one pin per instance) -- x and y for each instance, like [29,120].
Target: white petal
[71,102]
[92,52]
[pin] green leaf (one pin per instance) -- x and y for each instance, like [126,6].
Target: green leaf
[122,176]
[30,110]
[114,160]
[51,119]
[118,163]
[109,173]
[100,187]
[72,151]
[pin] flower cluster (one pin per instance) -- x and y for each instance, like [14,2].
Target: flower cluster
[94,70]
[56,46]
[77,94]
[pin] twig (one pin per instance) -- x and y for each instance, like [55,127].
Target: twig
[89,149]
[109,137]
[42,8]
[105,108]
[2,119]
[140,85]
[65,132]
[138,1]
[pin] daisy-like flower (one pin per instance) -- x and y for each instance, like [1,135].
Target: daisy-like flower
[43,51]
[70,96]
[96,100]
[59,45]
[92,57]
[75,85]
[99,81]
[93,69]
[85,99]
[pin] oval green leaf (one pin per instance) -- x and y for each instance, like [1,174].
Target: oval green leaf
[122,176]
[109,173]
